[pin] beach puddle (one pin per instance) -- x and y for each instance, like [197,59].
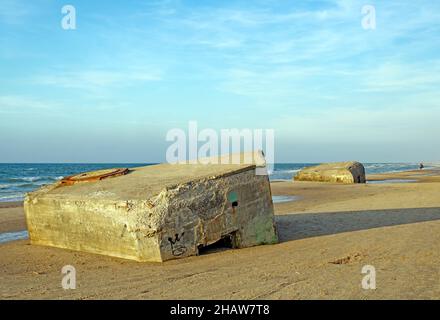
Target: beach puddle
[13,236]
[281,199]
[391,181]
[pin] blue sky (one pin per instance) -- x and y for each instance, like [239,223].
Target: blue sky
[132,70]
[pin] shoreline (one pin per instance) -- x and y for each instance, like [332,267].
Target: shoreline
[420,174]
[13,220]
[11,204]
[32,181]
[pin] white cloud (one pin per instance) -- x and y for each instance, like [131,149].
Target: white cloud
[363,125]
[14,103]
[14,12]
[401,77]
[97,78]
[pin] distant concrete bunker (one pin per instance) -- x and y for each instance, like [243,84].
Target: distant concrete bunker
[154,213]
[336,172]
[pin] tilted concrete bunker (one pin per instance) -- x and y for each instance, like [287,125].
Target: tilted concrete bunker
[336,172]
[154,213]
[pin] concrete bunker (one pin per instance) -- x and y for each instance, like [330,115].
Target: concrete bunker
[154,213]
[336,172]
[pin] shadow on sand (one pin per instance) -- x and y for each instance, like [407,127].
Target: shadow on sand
[307,225]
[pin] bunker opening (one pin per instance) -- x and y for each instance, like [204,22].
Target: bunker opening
[226,242]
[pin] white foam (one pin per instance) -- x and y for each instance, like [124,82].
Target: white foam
[281,199]
[12,197]
[28,179]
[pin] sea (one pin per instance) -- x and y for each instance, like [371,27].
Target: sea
[18,179]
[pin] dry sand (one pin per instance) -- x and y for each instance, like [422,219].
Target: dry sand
[326,238]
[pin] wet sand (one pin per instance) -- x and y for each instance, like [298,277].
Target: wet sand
[327,235]
[11,217]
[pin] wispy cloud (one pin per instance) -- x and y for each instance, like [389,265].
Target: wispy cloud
[97,78]
[400,77]
[14,12]
[361,125]
[25,104]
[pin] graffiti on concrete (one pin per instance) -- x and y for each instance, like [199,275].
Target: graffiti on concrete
[176,247]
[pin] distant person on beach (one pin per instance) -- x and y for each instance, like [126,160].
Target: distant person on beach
[421,166]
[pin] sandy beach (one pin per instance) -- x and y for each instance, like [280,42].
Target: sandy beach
[326,236]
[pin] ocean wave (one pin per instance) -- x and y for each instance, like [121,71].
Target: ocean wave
[25,187]
[28,179]
[371,166]
[34,179]
[288,171]
[12,197]
[28,185]
[375,168]
[16,189]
